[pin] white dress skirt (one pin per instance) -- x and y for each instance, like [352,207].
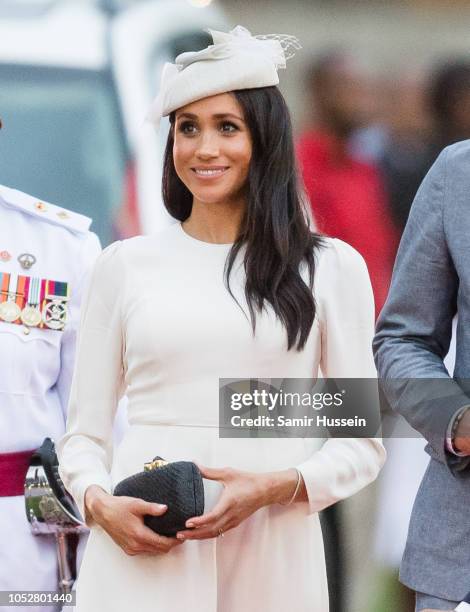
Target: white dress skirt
[159,325]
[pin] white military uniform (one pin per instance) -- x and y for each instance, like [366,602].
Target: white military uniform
[36,367]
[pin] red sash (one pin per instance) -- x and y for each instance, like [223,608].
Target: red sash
[13,468]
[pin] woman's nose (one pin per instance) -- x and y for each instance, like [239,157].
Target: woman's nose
[208,146]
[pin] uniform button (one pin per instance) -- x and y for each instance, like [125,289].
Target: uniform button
[40,206]
[63,215]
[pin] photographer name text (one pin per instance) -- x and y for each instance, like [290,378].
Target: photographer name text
[305,421]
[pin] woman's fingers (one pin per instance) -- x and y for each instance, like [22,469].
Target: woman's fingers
[213,473]
[197,534]
[143,507]
[208,531]
[213,516]
[147,541]
[153,541]
[124,523]
[208,525]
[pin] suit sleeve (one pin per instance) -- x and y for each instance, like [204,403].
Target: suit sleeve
[85,451]
[415,327]
[343,466]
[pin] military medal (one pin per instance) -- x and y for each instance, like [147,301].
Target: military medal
[5,256]
[54,314]
[9,309]
[33,302]
[31,315]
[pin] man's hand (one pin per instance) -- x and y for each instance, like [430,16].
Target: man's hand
[461,439]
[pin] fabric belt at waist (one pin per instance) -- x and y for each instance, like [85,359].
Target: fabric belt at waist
[13,468]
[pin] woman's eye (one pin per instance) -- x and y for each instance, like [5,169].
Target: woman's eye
[228,127]
[187,127]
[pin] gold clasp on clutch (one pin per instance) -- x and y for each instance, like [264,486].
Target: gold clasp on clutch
[158,462]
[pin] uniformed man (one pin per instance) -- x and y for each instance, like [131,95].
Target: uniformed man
[46,253]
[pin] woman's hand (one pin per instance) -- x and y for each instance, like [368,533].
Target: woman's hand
[244,493]
[122,519]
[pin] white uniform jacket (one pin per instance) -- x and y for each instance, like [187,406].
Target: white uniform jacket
[36,365]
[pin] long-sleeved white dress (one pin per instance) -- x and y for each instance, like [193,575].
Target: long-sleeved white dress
[160,325]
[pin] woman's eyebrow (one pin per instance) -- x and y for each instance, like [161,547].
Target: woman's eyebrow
[224,115]
[187,116]
[215,116]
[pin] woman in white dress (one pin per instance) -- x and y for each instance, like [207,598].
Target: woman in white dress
[165,319]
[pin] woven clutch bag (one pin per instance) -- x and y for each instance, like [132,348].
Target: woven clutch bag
[178,485]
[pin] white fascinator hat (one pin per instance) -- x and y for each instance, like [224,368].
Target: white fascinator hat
[235,60]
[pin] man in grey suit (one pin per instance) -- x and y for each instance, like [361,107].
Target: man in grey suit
[430,285]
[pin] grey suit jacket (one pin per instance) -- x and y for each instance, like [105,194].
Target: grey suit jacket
[431,283]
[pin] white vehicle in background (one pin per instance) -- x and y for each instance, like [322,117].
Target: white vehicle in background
[77,78]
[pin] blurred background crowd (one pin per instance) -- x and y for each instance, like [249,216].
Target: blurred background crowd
[377,91]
